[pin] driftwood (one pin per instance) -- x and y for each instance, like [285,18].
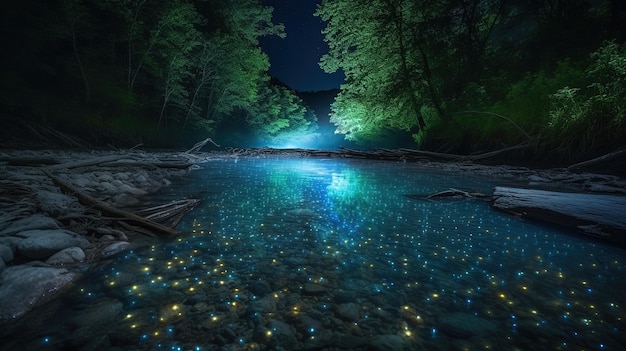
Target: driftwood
[200,145]
[87,200]
[596,215]
[87,162]
[378,154]
[598,160]
[174,209]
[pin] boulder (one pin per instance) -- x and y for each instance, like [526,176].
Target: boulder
[44,243]
[24,287]
[6,254]
[36,221]
[115,248]
[67,256]
[55,203]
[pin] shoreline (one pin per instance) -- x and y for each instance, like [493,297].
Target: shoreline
[48,239]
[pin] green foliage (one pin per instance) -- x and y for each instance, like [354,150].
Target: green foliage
[581,118]
[280,116]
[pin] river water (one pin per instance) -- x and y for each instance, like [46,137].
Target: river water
[328,254]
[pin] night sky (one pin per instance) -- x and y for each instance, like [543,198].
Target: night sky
[295,59]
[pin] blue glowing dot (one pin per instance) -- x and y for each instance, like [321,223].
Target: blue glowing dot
[46,340]
[311,330]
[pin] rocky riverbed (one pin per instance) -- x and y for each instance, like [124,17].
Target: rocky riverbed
[48,240]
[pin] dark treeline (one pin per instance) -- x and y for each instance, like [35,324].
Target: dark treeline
[472,75]
[456,76]
[145,70]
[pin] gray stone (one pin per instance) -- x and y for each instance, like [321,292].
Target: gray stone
[54,203]
[314,289]
[101,314]
[283,333]
[348,311]
[67,256]
[115,248]
[260,287]
[264,305]
[36,221]
[44,243]
[23,288]
[131,190]
[6,253]
[465,325]
[389,343]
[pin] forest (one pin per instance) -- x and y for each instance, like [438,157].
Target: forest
[547,76]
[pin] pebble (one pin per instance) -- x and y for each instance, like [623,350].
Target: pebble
[39,243]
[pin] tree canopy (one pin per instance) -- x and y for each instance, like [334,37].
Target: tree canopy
[446,70]
[140,67]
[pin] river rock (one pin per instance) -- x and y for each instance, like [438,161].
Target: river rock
[283,334]
[6,254]
[314,289]
[23,288]
[348,311]
[115,248]
[36,221]
[101,314]
[43,243]
[264,305]
[465,325]
[67,256]
[55,203]
[389,343]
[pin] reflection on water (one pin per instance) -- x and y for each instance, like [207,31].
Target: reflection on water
[331,254]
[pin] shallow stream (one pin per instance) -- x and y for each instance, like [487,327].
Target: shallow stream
[327,254]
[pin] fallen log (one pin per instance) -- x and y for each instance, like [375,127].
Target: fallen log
[87,200]
[595,215]
[598,160]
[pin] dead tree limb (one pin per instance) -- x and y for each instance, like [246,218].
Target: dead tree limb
[598,160]
[200,145]
[105,208]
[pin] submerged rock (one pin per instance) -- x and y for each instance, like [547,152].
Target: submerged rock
[23,288]
[465,326]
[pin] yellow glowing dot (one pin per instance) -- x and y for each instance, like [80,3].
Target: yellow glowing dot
[502,296]
[175,308]
[146,269]
[592,306]
[524,287]
[534,311]
[435,295]
[128,316]
[111,283]
[268,333]
[135,287]
[408,333]
[405,307]
[133,326]
[584,282]
[222,282]
[275,296]
[156,333]
[192,288]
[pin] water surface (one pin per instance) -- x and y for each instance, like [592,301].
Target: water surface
[317,254]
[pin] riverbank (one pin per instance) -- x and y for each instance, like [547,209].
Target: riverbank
[49,239]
